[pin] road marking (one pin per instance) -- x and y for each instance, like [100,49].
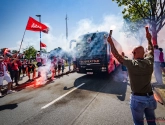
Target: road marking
[54,101]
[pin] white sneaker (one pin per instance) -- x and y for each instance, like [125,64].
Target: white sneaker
[10,91]
[53,78]
[0,94]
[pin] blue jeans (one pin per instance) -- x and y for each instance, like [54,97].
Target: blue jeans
[141,105]
[69,64]
[63,68]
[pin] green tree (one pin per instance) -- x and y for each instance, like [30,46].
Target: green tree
[30,52]
[14,51]
[143,12]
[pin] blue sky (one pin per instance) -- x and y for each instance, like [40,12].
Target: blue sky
[84,16]
[14,15]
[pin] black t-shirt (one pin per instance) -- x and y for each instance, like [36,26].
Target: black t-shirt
[30,65]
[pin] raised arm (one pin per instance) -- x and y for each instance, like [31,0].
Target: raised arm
[114,50]
[150,45]
[14,60]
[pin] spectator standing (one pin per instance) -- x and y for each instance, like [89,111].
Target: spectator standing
[74,63]
[19,67]
[69,62]
[157,68]
[9,67]
[63,64]
[59,65]
[39,63]
[15,71]
[44,60]
[54,62]
[7,60]
[24,65]
[140,71]
[161,58]
[30,69]
[52,68]
[4,76]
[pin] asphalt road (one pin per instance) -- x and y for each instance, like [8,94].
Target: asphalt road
[85,100]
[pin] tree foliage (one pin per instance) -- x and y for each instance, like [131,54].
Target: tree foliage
[143,12]
[14,51]
[30,52]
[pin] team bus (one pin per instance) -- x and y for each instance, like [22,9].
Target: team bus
[93,54]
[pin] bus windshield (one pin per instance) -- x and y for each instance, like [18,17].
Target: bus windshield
[93,44]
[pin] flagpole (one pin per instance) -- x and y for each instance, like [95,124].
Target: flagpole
[22,40]
[40,30]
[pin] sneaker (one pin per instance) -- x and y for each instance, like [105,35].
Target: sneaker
[53,78]
[16,84]
[10,91]
[28,80]
[0,94]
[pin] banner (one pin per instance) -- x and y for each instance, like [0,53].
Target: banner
[34,25]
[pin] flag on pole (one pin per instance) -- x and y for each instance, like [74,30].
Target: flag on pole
[42,44]
[34,25]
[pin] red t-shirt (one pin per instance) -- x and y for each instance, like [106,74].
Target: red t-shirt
[19,63]
[14,66]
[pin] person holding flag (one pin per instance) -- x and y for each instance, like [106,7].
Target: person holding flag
[39,63]
[34,25]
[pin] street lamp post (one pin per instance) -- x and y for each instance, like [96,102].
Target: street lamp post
[40,31]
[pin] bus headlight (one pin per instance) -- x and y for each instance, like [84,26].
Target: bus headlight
[77,69]
[103,68]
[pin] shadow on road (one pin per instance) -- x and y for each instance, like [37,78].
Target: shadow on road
[8,106]
[104,84]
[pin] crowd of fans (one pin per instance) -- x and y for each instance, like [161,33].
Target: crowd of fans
[13,67]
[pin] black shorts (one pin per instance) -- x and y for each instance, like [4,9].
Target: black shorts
[59,67]
[30,69]
[55,67]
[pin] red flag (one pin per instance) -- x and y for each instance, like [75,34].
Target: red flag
[42,44]
[34,25]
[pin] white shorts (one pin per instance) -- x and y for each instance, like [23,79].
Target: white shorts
[5,77]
